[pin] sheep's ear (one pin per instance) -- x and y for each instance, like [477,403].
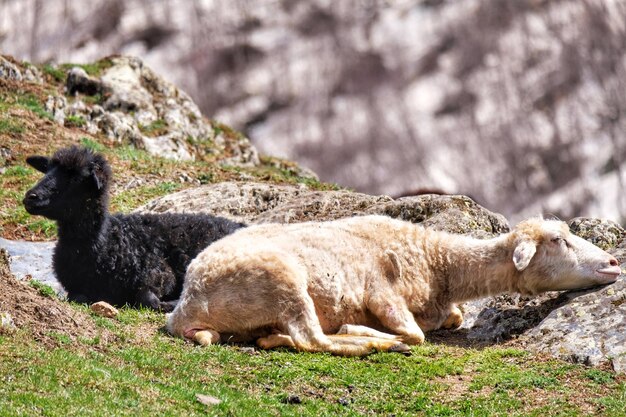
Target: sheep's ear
[523,253]
[98,174]
[40,163]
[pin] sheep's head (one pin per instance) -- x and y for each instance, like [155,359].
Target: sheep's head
[75,179]
[552,259]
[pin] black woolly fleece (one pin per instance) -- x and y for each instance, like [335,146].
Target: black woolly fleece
[136,259]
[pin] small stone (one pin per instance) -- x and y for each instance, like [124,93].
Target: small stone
[6,322]
[343,401]
[207,399]
[104,309]
[293,399]
[249,350]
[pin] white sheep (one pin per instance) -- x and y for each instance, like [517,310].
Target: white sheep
[376,281]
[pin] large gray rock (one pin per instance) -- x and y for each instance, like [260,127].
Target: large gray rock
[32,260]
[588,327]
[243,202]
[267,203]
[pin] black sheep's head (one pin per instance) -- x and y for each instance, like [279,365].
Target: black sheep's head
[76,180]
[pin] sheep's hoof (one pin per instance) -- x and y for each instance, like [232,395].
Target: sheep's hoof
[206,337]
[401,348]
[275,340]
[454,320]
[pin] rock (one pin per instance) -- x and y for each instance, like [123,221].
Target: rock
[79,82]
[450,213]
[321,205]
[242,202]
[126,92]
[172,146]
[32,74]
[32,259]
[12,70]
[56,106]
[9,70]
[104,309]
[118,126]
[293,399]
[140,108]
[6,323]
[601,232]
[266,203]
[207,399]
[590,328]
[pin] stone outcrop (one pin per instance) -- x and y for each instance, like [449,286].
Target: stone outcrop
[266,203]
[11,71]
[130,103]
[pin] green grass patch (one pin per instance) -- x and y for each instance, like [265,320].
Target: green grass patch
[157,128]
[25,100]
[11,126]
[75,121]
[32,103]
[92,144]
[58,74]
[94,69]
[222,129]
[147,372]
[133,198]
[44,289]
[42,226]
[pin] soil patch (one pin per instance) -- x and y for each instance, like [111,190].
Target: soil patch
[49,320]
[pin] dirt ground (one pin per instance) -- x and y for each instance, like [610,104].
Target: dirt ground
[50,321]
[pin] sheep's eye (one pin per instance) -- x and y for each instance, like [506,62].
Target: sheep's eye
[560,240]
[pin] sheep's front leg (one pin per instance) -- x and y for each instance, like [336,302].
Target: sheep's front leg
[145,297]
[204,337]
[454,320]
[275,340]
[397,318]
[77,298]
[358,330]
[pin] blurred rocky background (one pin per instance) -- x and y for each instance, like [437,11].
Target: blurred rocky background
[520,104]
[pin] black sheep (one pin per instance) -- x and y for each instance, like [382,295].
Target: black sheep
[136,259]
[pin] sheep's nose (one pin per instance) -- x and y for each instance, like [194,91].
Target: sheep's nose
[613,261]
[31,196]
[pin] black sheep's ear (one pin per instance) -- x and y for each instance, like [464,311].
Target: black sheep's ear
[40,163]
[98,173]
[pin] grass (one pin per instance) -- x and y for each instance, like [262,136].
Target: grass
[14,182]
[130,199]
[44,289]
[156,128]
[11,126]
[58,74]
[32,103]
[75,121]
[94,69]
[145,372]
